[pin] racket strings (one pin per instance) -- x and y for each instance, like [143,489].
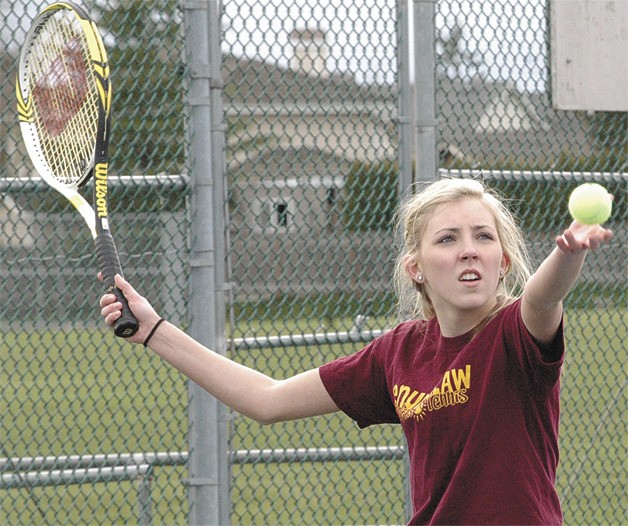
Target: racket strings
[65,97]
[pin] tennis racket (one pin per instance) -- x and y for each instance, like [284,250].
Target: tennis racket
[64,102]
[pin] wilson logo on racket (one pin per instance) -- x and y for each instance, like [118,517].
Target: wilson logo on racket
[100,182]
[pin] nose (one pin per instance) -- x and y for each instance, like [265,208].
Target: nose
[469,252]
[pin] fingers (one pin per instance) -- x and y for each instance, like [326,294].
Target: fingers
[583,237]
[562,244]
[121,283]
[107,299]
[111,309]
[126,288]
[608,235]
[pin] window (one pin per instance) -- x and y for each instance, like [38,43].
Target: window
[276,215]
[281,214]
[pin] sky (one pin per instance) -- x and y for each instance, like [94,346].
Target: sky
[360,35]
[510,34]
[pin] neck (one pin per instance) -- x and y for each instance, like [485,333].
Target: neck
[454,324]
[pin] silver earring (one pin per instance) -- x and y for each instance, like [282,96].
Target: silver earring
[419,278]
[502,272]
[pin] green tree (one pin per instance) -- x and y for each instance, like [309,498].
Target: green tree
[609,130]
[144,43]
[371,196]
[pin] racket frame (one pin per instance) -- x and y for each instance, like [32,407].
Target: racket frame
[96,217]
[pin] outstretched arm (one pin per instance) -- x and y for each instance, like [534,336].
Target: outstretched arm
[542,302]
[244,390]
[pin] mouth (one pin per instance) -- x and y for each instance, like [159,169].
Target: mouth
[470,276]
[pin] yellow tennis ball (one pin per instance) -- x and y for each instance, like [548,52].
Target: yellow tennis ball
[590,204]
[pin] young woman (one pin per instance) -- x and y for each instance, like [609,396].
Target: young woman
[472,376]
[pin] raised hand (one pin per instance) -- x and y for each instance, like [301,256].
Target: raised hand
[579,237]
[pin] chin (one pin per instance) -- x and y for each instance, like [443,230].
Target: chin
[478,304]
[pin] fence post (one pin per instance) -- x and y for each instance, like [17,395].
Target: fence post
[208,463]
[144,498]
[404,41]
[425,89]
[423,37]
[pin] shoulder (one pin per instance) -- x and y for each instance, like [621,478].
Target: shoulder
[385,347]
[410,327]
[508,313]
[508,327]
[411,330]
[504,327]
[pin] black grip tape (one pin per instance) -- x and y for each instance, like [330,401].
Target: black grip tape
[126,325]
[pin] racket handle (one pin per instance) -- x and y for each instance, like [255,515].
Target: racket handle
[109,263]
[126,325]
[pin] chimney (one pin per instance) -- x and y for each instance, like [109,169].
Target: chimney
[310,51]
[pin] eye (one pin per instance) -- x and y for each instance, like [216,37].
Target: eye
[486,235]
[446,239]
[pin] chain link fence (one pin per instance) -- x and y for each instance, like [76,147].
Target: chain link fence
[315,148]
[92,430]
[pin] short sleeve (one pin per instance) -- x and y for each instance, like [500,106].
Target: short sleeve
[357,384]
[542,363]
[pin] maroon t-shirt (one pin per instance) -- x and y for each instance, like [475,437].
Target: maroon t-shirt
[480,415]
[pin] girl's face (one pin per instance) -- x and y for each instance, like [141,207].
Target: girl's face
[460,259]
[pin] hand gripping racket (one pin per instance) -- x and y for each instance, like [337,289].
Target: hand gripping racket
[64,101]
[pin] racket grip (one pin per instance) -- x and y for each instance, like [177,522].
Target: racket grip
[109,263]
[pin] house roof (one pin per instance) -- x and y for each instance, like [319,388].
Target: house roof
[479,118]
[251,82]
[494,117]
[270,108]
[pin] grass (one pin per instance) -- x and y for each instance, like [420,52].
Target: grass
[593,432]
[83,392]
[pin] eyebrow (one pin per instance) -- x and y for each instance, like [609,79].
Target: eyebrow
[456,229]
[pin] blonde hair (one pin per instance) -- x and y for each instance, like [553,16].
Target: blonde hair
[412,218]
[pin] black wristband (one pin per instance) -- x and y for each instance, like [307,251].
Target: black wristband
[150,334]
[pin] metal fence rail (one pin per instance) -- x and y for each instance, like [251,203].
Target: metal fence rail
[37,472]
